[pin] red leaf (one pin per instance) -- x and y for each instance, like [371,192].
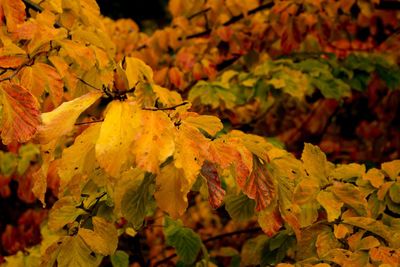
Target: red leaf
[215,192]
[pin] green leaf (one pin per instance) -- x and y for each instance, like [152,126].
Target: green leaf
[274,250]
[120,259]
[391,76]
[186,242]
[359,63]
[8,163]
[331,87]
[27,153]
[212,94]
[137,200]
[394,193]
[252,250]
[240,207]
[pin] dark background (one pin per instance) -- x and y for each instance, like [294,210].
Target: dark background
[138,10]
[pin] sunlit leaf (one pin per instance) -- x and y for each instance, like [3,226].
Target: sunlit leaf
[155,140]
[60,121]
[116,136]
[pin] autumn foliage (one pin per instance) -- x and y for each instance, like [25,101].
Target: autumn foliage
[245,133]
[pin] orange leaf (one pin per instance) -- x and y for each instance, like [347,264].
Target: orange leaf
[14,12]
[42,77]
[259,186]
[21,115]
[176,77]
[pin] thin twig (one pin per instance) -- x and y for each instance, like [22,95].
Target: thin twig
[88,122]
[167,108]
[88,84]
[199,13]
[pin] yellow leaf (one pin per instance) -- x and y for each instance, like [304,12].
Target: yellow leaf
[60,121]
[305,191]
[342,230]
[375,177]
[103,239]
[74,252]
[316,164]
[347,171]
[82,55]
[64,211]
[331,204]
[210,124]
[116,136]
[166,97]
[137,71]
[255,144]
[392,168]
[270,220]
[155,143]
[191,148]
[352,196]
[172,190]
[79,159]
